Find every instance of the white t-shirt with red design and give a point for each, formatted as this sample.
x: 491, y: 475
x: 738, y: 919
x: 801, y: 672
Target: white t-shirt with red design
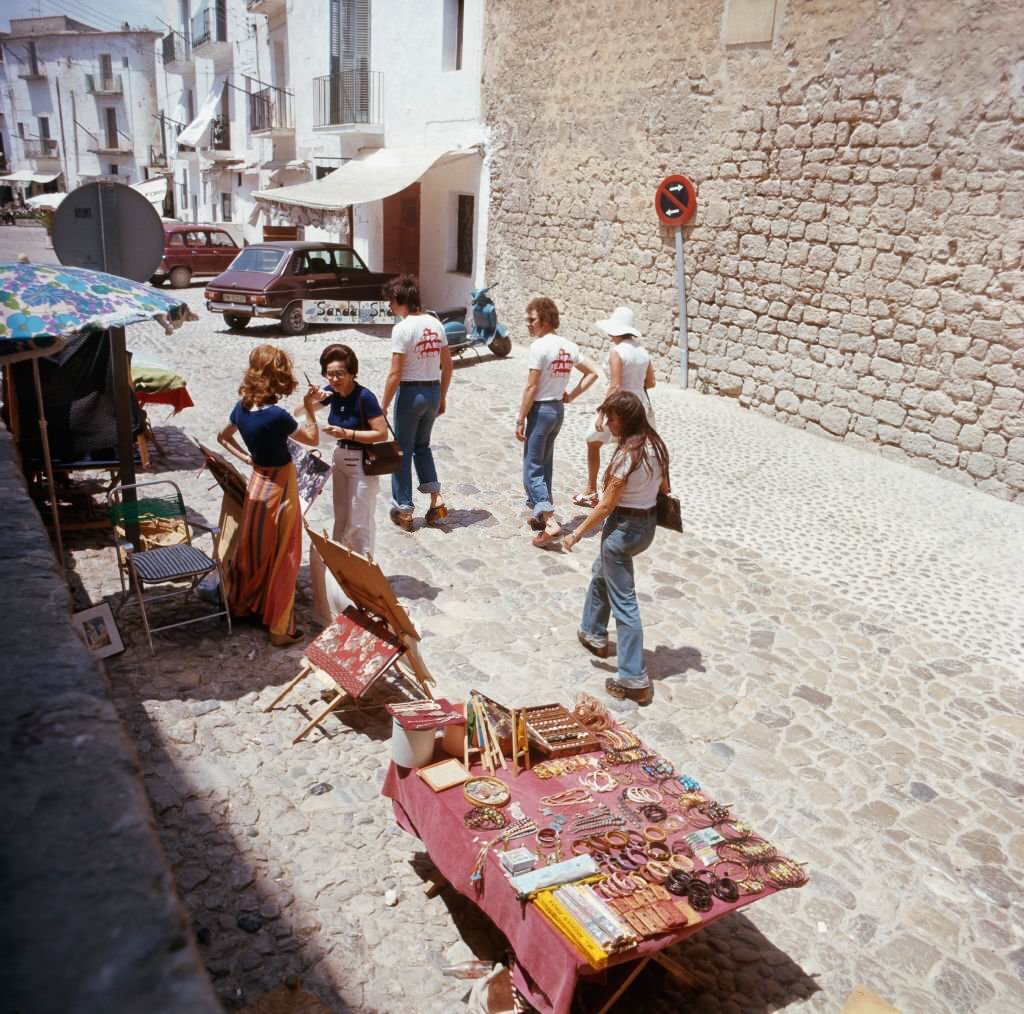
x: 420, y: 338
x: 555, y: 358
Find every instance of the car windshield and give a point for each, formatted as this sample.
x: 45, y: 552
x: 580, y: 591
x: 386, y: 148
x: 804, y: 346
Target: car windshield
x: 254, y: 259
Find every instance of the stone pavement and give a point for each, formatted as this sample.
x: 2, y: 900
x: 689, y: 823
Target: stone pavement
x: 836, y: 649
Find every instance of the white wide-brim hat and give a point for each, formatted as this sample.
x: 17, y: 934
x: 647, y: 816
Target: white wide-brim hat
x: 620, y: 322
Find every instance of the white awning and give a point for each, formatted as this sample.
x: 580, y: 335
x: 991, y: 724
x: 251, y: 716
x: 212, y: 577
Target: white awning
x: 27, y: 176
x: 49, y: 201
x: 382, y: 173
x: 194, y: 131
x: 153, y: 190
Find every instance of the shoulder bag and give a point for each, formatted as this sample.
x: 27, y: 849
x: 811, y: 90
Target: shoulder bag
x: 670, y: 512
x: 383, y: 458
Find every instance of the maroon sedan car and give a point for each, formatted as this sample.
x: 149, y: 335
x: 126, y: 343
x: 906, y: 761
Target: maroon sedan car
x: 193, y: 250
x: 273, y: 279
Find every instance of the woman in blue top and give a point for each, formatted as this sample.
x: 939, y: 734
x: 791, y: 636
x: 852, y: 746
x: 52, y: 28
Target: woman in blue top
x: 262, y: 574
x: 354, y: 419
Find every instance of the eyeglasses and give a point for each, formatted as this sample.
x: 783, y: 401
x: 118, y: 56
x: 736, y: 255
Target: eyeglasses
x: 337, y: 374
x: 532, y: 320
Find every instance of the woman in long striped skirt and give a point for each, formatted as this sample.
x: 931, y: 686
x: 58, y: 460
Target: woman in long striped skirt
x: 261, y: 578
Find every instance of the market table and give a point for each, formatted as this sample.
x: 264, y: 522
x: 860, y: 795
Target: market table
x: 547, y: 966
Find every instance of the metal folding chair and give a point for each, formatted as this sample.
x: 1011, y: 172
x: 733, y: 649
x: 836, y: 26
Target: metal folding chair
x: 164, y: 554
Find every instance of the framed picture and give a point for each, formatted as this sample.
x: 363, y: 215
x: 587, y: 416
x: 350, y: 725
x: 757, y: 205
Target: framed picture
x: 96, y: 627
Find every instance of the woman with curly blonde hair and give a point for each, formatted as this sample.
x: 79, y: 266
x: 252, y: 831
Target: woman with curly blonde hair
x: 261, y: 578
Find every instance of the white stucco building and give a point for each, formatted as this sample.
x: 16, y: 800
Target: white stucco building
x: 78, y: 104
x: 263, y: 100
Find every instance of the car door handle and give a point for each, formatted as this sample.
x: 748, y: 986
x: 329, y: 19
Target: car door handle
x: 344, y: 279
x: 311, y: 281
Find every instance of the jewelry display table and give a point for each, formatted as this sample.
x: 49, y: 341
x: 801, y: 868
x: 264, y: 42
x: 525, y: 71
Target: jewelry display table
x: 548, y: 967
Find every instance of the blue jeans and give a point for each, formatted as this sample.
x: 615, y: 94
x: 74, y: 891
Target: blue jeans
x: 543, y: 422
x: 612, y: 591
x: 415, y: 411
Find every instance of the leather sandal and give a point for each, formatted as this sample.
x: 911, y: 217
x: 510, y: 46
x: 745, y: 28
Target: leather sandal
x: 552, y: 530
x: 286, y: 640
x: 586, y: 500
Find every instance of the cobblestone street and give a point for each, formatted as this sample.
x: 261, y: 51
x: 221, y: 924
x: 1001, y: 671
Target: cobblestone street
x: 836, y: 648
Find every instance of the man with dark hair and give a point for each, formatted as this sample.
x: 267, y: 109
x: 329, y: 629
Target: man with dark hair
x: 421, y: 371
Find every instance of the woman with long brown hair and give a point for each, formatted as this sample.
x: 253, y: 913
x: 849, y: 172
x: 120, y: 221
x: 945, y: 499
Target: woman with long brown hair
x: 637, y: 472
x: 261, y: 578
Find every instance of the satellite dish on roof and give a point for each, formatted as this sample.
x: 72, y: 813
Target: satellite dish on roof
x: 109, y: 227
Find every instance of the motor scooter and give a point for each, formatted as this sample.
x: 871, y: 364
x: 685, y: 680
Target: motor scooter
x: 486, y: 329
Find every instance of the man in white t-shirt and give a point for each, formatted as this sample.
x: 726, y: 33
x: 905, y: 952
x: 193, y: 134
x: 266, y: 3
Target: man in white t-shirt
x: 420, y: 374
x: 551, y: 362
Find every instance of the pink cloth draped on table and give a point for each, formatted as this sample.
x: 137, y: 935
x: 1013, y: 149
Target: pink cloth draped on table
x: 547, y: 966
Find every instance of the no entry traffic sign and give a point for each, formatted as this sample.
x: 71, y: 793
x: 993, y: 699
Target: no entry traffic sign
x: 675, y: 200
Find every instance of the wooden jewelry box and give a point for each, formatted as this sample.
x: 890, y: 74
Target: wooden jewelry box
x: 556, y: 732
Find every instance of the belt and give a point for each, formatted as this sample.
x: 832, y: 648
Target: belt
x: 636, y: 512
x: 420, y: 383
x: 351, y: 445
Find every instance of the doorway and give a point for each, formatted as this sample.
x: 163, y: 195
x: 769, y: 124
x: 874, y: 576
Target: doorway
x: 401, y: 231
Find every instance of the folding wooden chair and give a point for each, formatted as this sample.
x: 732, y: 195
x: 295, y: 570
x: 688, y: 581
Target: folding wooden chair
x: 164, y: 554
x: 354, y: 651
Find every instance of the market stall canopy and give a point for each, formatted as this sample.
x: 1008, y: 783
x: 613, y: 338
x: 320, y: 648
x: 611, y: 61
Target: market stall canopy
x: 27, y: 176
x: 153, y: 190
x: 190, y: 136
x: 382, y: 173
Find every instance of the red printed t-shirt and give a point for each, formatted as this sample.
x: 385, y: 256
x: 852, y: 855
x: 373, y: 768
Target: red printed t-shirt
x: 554, y: 357
x: 420, y: 339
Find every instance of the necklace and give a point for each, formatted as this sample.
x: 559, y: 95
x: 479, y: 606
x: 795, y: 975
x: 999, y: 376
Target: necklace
x: 568, y: 797
x: 598, y: 781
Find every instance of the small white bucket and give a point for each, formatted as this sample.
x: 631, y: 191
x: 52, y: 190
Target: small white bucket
x: 411, y: 748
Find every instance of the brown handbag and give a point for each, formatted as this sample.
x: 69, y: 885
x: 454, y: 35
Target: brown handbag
x: 384, y: 458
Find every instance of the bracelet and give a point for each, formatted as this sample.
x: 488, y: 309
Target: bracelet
x: 654, y: 834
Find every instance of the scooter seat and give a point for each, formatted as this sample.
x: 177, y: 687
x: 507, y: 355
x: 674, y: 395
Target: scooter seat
x: 452, y: 313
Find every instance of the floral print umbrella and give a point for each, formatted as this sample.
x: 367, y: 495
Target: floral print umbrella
x: 42, y: 304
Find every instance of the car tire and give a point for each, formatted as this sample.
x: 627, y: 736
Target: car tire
x: 501, y: 345
x: 291, y: 319
x: 180, y: 277
x: 237, y: 321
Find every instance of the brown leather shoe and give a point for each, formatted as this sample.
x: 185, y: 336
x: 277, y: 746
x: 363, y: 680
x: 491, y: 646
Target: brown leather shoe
x: 593, y: 645
x: 642, y: 695
x: 402, y: 519
x: 435, y: 514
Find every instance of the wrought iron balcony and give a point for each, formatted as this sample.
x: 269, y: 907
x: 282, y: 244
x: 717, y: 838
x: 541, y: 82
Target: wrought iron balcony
x: 157, y: 158
x: 348, y: 98
x: 270, y: 111
x: 210, y: 32
x: 104, y: 85
x: 41, y: 148
x: 176, y: 52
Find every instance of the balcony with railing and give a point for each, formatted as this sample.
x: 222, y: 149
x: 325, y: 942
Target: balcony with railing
x: 33, y: 71
x: 112, y: 144
x: 41, y: 149
x: 270, y: 112
x: 157, y: 157
x: 97, y: 84
x: 264, y: 6
x: 177, y: 53
x: 350, y: 100
x: 210, y: 33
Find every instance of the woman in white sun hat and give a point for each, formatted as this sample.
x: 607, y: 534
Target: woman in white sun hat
x: 629, y: 369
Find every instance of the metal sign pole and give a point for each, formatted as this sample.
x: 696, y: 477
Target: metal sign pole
x: 684, y: 336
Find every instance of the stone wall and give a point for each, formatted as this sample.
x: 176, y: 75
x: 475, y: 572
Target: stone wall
x: 854, y: 267
x: 90, y: 920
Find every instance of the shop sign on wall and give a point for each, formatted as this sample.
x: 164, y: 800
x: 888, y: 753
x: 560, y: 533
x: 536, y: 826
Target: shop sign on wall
x: 347, y: 311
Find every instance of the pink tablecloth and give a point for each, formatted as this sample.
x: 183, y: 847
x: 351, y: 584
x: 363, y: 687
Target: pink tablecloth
x: 547, y: 965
